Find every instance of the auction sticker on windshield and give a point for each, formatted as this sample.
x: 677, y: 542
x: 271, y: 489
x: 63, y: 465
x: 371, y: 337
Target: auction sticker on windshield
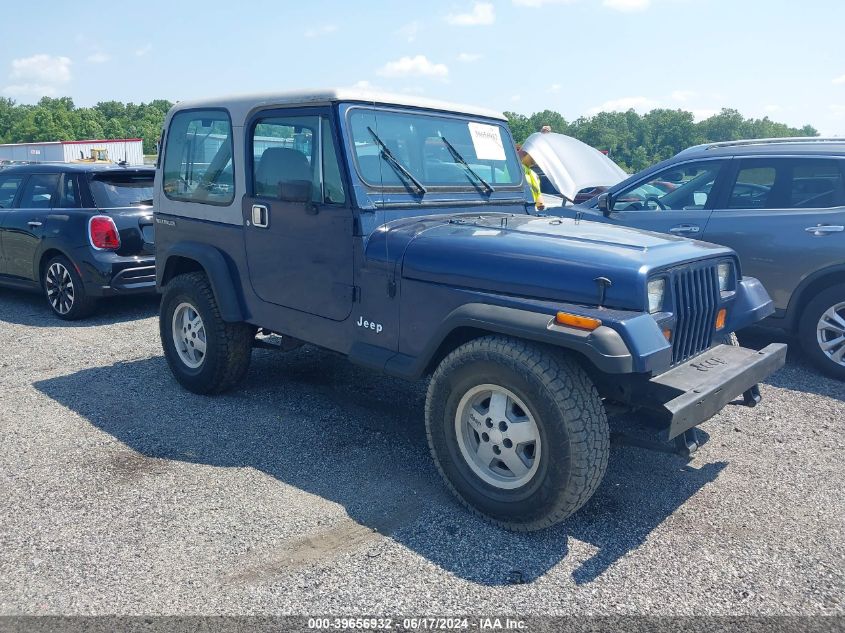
x: 487, y: 141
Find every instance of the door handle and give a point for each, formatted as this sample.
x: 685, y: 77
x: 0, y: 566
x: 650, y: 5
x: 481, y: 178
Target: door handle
x: 34, y: 223
x: 824, y: 229
x: 260, y: 216
x: 685, y: 228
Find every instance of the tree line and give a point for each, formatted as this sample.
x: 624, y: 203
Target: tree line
x: 637, y: 141
x: 633, y: 140
x: 58, y: 119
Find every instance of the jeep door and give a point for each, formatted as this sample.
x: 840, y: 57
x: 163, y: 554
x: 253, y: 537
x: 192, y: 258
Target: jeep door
x: 10, y: 185
x: 298, y: 224
x: 23, y: 226
x: 675, y: 200
x: 785, y: 217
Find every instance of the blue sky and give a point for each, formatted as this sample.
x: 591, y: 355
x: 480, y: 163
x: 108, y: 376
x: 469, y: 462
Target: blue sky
x: 779, y: 58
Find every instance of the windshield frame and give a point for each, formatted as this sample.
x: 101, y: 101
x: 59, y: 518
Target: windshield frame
x: 470, y: 187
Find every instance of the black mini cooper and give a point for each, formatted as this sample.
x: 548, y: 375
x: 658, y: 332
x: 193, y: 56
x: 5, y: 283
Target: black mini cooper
x: 77, y: 233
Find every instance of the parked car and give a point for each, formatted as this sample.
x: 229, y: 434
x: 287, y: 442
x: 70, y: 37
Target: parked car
x: 362, y: 239
x: 77, y: 233
x: 569, y: 170
x: 780, y: 203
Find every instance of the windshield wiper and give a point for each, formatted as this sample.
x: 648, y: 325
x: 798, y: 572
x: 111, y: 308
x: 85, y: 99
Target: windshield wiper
x: 460, y: 159
x: 394, y: 162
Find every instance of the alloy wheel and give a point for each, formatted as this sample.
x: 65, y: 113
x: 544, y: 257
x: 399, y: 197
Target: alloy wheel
x: 830, y: 333
x: 498, y: 436
x: 59, y: 286
x: 189, y: 335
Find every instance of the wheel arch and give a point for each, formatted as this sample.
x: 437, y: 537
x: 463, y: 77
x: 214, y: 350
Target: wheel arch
x: 809, y: 288
x: 48, y: 254
x: 185, y: 257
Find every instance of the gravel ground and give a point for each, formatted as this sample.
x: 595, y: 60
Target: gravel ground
x: 309, y: 490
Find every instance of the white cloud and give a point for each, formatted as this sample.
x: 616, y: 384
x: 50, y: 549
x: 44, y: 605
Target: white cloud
x: 38, y: 76
x: 43, y: 69
x: 837, y: 111
x: 98, y: 58
x: 325, y: 29
x: 417, y: 65
x: 482, y: 14
x: 144, y: 50
x: 555, y: 88
x: 362, y: 85
x: 628, y: 6
x: 540, y: 3
x: 704, y: 113
x: 516, y: 98
x: 683, y: 95
x: 640, y: 104
x: 468, y: 58
x: 772, y: 108
x: 409, y: 31
x: 839, y: 80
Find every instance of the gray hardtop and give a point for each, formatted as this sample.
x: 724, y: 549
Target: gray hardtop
x: 239, y: 106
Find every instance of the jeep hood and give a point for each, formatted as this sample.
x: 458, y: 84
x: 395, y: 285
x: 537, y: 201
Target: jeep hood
x: 537, y: 257
x: 571, y: 165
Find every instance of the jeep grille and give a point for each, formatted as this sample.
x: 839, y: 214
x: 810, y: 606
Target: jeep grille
x: 696, y: 297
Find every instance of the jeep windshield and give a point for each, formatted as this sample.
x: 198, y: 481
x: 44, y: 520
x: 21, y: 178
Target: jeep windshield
x: 113, y: 190
x: 439, y: 151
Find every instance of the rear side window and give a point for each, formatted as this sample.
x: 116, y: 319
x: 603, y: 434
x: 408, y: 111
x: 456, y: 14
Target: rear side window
x: 121, y: 189
x: 9, y: 186
x: 38, y: 191
x: 198, y: 158
x: 788, y: 183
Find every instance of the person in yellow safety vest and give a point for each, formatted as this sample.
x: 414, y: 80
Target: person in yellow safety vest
x: 531, y: 178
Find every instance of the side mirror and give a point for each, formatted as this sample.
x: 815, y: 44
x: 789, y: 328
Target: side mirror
x: 605, y: 203
x: 295, y: 191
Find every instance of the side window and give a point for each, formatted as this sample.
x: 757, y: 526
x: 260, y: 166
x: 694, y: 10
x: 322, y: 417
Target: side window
x: 294, y: 159
x: 787, y: 183
x: 198, y: 158
x: 686, y: 186
x: 69, y: 193
x: 38, y: 191
x: 752, y: 188
x: 9, y: 186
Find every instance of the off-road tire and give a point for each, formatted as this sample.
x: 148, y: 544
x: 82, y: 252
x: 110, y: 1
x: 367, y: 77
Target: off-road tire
x: 228, y: 345
x: 569, y: 415
x: 807, y: 329
x: 83, y: 304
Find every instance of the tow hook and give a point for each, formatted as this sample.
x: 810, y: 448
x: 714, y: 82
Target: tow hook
x: 751, y: 397
x: 684, y: 444
x: 688, y: 442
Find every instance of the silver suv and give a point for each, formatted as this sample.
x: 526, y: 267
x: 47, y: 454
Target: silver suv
x: 779, y: 203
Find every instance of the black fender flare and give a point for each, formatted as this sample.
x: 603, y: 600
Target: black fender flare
x: 216, y: 269
x: 603, y: 347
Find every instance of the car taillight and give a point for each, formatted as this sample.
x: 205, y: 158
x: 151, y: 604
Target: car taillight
x: 103, y: 233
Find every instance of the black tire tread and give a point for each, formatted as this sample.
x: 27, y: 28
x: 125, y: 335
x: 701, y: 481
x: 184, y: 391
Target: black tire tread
x: 579, y: 400
x: 234, y: 339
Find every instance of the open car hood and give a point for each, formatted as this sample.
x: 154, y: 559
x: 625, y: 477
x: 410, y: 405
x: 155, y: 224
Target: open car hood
x: 571, y: 165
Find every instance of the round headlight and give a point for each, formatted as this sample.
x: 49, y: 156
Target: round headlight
x: 726, y: 273
x: 656, y: 291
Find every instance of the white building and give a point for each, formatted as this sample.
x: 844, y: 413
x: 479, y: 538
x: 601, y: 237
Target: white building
x: 118, y: 149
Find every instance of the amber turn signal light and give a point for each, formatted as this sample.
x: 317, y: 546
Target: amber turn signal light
x: 721, y: 315
x: 573, y: 320
x: 667, y: 333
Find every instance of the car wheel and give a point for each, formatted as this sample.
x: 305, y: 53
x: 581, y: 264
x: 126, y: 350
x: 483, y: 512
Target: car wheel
x: 206, y: 354
x: 517, y: 431
x: 822, y: 331
x: 65, y: 291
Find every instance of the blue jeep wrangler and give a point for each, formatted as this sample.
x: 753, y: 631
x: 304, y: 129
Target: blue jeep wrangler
x: 396, y: 231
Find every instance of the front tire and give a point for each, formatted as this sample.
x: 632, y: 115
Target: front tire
x: 206, y: 354
x: 517, y: 431
x: 64, y: 290
x: 822, y: 331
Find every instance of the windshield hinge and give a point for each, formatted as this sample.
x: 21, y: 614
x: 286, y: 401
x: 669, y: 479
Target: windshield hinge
x: 391, y: 287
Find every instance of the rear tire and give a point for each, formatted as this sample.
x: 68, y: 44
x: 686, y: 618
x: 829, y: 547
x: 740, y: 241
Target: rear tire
x: 64, y: 290
x: 531, y: 460
x: 206, y: 354
x: 822, y: 331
